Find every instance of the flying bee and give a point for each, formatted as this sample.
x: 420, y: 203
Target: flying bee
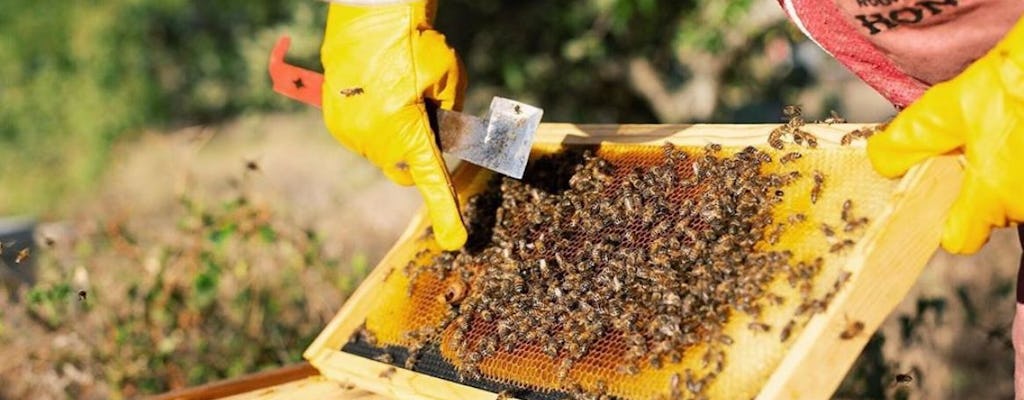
x: 790, y: 157
x: 853, y: 328
x: 252, y: 166
x: 792, y: 111
x: 834, y: 118
x: 22, y: 256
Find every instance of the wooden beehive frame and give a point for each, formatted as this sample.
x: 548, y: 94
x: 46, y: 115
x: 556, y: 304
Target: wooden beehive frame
x: 883, y: 270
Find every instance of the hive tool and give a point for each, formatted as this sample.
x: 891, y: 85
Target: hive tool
x: 500, y: 141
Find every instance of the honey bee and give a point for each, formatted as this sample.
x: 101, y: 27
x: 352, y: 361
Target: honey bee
x: 518, y: 110
x: 252, y: 166
x: 786, y: 331
x: 839, y: 246
x: 387, y: 373
x: 22, y: 256
x: 674, y: 389
x: 819, y: 183
x: 455, y: 291
x: 349, y: 92
x: 384, y: 358
x: 841, y: 280
x: 563, y: 369
x: 834, y: 118
x: 366, y: 336
x: 864, y: 133
x: 792, y: 111
x: 797, y: 218
x: 790, y: 157
x: 812, y: 141
x: 759, y: 327
x: 852, y: 329
x: 775, y: 138
x: 846, y: 139
x: 713, y: 147
x: 827, y: 230
x: 414, y: 355
x: 695, y: 386
x: 82, y: 295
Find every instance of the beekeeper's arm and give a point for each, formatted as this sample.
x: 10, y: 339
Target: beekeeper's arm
x: 382, y: 60
x: 981, y: 114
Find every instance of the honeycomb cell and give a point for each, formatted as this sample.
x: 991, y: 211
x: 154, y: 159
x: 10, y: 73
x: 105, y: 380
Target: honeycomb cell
x: 665, y: 254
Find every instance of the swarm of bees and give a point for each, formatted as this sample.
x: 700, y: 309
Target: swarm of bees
x: 794, y: 121
x: 655, y: 257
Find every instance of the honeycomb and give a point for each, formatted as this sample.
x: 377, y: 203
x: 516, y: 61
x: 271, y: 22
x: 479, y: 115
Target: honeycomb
x: 414, y: 303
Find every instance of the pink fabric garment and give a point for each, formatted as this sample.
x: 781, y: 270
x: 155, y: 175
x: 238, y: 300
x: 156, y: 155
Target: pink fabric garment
x: 902, y: 47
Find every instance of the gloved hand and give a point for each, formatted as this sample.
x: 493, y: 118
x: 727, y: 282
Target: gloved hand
x: 380, y: 63
x: 979, y: 113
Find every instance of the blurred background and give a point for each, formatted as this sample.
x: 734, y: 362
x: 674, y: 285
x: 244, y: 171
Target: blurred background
x: 190, y: 225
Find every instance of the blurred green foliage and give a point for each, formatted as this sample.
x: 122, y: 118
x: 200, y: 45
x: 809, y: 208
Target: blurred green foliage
x: 78, y: 76
x: 573, y: 57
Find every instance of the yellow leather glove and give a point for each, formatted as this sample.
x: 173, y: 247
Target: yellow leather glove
x: 981, y: 114
x: 380, y: 63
